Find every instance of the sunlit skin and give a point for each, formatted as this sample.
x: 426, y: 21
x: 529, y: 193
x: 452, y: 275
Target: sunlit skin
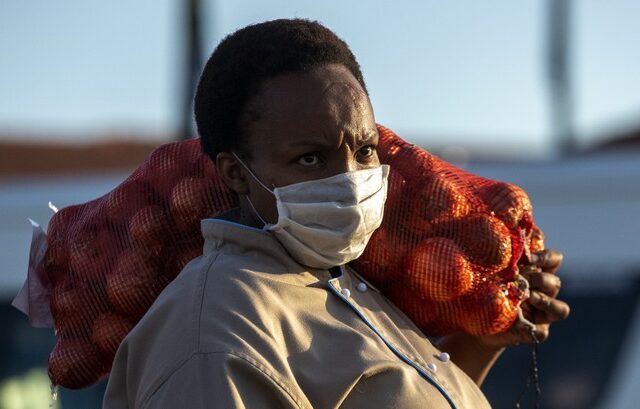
x: 310, y: 126
x: 314, y: 125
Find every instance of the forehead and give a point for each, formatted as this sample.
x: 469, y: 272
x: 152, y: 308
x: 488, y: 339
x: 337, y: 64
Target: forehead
x: 326, y: 105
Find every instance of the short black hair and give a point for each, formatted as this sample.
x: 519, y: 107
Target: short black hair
x: 245, y: 60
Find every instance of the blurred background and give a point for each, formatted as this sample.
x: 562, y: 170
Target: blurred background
x: 544, y: 94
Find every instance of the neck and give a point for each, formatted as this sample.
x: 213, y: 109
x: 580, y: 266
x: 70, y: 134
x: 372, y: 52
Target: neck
x: 241, y: 215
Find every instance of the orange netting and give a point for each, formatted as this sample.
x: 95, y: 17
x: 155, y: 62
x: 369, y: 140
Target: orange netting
x: 446, y: 253
x: 448, y: 250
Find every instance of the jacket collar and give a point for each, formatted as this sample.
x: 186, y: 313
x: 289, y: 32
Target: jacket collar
x: 235, y: 238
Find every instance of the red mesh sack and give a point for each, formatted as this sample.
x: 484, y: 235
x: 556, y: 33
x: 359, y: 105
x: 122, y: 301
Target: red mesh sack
x: 107, y: 260
x: 446, y: 253
x: 448, y: 250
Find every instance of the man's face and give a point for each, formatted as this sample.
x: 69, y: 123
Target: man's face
x: 311, y: 126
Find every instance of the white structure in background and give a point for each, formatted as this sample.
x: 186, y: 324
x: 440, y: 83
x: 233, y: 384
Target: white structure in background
x: 588, y: 206
x: 29, y: 198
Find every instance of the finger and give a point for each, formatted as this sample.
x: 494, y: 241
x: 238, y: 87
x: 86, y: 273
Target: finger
x: 555, y: 310
x: 544, y: 282
x: 534, y: 315
x: 538, y: 317
x: 549, y: 260
x: 541, y: 332
x: 522, y: 333
x: 527, y: 268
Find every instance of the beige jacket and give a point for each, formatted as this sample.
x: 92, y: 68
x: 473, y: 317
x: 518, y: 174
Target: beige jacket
x: 245, y: 326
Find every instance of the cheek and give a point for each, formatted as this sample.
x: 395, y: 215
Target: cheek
x: 376, y: 159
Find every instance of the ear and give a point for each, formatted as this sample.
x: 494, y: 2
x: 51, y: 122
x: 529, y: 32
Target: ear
x: 232, y: 173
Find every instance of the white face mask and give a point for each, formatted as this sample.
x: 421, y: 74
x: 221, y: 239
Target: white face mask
x: 327, y: 222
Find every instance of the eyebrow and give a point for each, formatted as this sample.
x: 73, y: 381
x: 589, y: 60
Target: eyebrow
x: 370, y: 136
x: 323, y: 145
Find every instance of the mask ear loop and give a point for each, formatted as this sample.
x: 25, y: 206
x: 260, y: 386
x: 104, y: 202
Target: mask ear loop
x: 253, y: 208
x: 251, y: 173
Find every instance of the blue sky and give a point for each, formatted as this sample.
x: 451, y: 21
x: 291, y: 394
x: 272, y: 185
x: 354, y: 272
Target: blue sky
x: 439, y: 72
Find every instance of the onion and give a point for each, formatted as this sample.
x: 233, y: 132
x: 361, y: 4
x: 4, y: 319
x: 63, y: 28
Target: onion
x: 134, y: 285
x: 108, y: 332
x: 75, y: 364
x: 485, y: 240
x: 438, y: 270
x: 190, y: 202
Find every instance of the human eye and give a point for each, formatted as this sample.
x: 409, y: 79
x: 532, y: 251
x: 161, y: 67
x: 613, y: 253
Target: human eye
x: 309, y: 159
x: 366, y: 152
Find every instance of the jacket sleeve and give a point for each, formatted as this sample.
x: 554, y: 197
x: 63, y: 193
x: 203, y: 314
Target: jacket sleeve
x: 224, y: 380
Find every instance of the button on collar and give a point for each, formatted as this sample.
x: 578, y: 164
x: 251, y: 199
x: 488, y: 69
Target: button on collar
x: 346, y: 292
x: 444, y: 357
x: 362, y: 287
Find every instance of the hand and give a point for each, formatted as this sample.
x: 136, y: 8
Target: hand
x: 476, y: 355
x: 541, y: 308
